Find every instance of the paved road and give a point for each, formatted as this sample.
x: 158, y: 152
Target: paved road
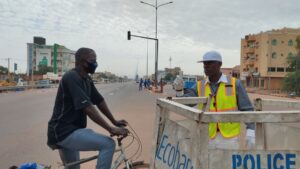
x: 24, y: 117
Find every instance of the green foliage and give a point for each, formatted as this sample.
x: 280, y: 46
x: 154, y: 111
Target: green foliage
x: 43, y: 69
x: 292, y: 81
x: 169, y: 77
x: 3, y: 70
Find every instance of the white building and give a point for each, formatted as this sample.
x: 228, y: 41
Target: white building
x: 60, y: 58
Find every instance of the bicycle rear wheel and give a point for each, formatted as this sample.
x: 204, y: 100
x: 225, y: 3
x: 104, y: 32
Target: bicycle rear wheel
x: 139, y: 165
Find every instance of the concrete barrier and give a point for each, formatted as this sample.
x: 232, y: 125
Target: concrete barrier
x: 21, y: 88
x: 287, y: 134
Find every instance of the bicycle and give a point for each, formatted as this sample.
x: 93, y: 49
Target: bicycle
x: 122, y: 157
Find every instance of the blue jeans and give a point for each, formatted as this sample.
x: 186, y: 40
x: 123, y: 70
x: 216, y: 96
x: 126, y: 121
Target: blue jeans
x: 87, y: 140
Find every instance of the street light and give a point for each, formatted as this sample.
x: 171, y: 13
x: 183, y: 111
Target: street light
x: 156, y: 7
x: 156, y: 54
x: 129, y: 35
x: 147, y: 52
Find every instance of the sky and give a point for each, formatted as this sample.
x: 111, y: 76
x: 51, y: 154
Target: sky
x: 186, y: 30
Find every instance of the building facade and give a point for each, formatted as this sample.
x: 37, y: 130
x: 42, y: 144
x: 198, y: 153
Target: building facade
x: 234, y: 72
x: 58, y: 57
x: 264, y: 57
x: 174, y: 71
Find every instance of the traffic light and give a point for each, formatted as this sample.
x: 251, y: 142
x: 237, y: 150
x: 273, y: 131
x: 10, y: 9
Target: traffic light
x: 128, y: 35
x: 15, y: 66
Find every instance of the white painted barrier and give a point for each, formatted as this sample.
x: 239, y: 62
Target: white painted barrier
x: 287, y: 134
x: 181, y: 138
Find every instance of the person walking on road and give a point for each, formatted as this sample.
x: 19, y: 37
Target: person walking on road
x: 227, y: 94
x: 141, y: 84
x: 145, y: 84
x: 75, y: 100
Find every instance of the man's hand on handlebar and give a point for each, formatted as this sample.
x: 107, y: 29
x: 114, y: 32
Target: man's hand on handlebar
x: 120, y: 123
x: 117, y: 131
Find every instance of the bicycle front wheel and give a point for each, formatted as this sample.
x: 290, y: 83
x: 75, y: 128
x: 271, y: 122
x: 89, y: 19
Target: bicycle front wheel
x: 138, y: 165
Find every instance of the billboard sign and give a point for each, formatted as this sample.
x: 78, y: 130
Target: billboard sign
x: 43, y: 57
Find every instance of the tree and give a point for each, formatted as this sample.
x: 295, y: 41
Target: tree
x: 292, y: 81
x: 43, y: 69
x: 169, y: 77
x: 3, y: 70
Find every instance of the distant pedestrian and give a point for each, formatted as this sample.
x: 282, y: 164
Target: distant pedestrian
x: 149, y: 83
x: 141, y: 84
x: 145, y: 84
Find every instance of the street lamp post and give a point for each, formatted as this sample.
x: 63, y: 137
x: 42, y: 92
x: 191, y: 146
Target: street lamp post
x: 156, y: 7
x: 156, y: 54
x: 147, y: 52
x: 129, y: 35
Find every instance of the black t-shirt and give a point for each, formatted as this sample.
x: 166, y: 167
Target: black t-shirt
x: 74, y: 93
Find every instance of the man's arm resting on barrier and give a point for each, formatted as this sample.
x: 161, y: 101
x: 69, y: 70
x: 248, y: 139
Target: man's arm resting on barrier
x: 244, y: 104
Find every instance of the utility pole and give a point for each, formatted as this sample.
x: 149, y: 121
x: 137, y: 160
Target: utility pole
x: 8, y: 63
x: 147, y: 53
x: 156, y: 6
x: 8, y: 67
x: 129, y: 35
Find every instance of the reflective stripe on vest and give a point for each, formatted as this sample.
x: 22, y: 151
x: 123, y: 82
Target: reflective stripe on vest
x: 225, y: 100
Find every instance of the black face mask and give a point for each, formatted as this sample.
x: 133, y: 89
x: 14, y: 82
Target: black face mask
x: 92, y: 66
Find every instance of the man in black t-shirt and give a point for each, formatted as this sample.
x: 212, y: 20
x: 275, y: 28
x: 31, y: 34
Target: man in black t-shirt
x: 75, y: 100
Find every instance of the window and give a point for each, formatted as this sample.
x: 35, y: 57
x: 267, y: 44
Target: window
x: 274, y: 55
x: 274, y: 42
x: 290, y: 43
x: 280, y: 69
x: 271, y: 69
x: 282, y: 54
x: 290, y: 55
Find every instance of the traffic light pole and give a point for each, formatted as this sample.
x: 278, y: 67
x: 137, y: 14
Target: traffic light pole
x: 156, y: 53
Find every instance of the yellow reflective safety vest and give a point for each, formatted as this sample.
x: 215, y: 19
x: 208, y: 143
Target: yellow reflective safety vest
x: 224, y: 100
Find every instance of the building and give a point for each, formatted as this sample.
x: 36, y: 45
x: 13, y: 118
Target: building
x: 161, y: 75
x: 58, y: 57
x: 174, y: 71
x: 234, y: 72
x: 264, y: 57
x: 227, y: 71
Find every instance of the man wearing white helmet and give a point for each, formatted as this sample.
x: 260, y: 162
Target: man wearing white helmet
x: 227, y: 94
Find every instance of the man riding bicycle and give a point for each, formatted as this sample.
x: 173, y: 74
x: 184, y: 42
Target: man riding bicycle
x: 75, y: 100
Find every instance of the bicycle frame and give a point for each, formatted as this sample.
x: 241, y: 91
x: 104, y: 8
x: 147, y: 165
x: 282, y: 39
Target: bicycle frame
x: 121, y: 157
x: 116, y: 163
